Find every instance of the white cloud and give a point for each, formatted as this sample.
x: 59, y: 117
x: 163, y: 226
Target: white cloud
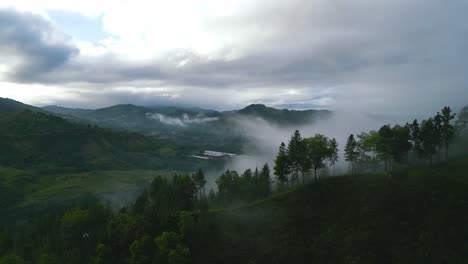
x: 388, y: 56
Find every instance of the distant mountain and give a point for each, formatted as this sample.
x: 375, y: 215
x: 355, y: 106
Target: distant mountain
x: 170, y: 119
x: 65, y: 111
x: 10, y: 105
x: 281, y: 116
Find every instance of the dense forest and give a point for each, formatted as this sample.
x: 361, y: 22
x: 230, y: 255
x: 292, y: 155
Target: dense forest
x: 402, y: 200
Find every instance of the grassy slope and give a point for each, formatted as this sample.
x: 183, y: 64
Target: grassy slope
x: 417, y: 216
x: 39, y: 189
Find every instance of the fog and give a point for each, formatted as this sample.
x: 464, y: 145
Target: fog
x: 264, y: 138
x: 183, y: 121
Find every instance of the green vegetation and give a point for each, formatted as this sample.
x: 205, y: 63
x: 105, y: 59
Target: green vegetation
x: 412, y: 215
x: 37, y: 140
x: 73, y: 193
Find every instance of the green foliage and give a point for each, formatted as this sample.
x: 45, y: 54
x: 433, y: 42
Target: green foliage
x: 334, y: 157
x: 38, y: 140
x: 12, y: 259
x: 234, y: 188
x: 351, y: 151
x: 50, y: 259
x: 296, y: 152
x: 447, y: 129
x: 282, y: 166
x: 142, y: 251
x: 199, y: 181
x: 318, y: 149
x: 170, y: 249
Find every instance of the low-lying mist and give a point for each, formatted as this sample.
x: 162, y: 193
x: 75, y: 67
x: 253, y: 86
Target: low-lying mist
x: 264, y: 138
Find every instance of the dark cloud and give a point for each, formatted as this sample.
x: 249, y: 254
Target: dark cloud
x: 32, y: 45
x: 391, y: 56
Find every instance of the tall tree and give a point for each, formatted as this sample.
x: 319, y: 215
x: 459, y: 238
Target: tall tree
x: 318, y: 150
x: 401, y: 144
x: 351, y: 152
x: 296, y: 154
x: 462, y: 121
x: 448, y: 130
x: 415, y: 136
x: 282, y: 167
x: 384, y: 145
x: 333, y: 158
x: 428, y: 139
x: 199, y: 181
x: 264, y: 181
x: 438, y: 133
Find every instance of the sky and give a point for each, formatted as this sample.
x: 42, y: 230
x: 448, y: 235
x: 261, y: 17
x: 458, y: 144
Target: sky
x: 388, y: 57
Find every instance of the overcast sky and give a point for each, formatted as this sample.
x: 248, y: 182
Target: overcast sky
x: 401, y: 57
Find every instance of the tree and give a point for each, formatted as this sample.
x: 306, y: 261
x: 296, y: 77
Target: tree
x: 385, y: 145
x: 351, y: 153
x: 438, y: 133
x: 199, y: 181
x: 12, y: 259
x: 264, y: 181
x: 170, y: 248
x: 317, y: 151
x: 415, y: 136
x: 367, y: 145
x: 333, y: 158
x: 462, y: 121
x: 401, y: 144
x: 282, y: 167
x: 296, y: 154
x: 448, y: 130
x: 142, y: 251
x: 428, y: 139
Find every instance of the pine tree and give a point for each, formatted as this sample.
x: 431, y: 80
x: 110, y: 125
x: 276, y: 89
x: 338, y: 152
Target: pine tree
x: 296, y: 154
x: 265, y: 181
x: 333, y: 146
x: 428, y: 138
x: 199, y: 181
x: 448, y: 130
x: 438, y: 133
x: 282, y: 167
x: 351, y: 152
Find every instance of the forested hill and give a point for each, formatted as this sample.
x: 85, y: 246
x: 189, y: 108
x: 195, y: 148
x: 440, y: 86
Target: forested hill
x: 161, y: 119
x: 415, y: 215
x: 10, y: 105
x: 280, y: 116
x: 34, y: 139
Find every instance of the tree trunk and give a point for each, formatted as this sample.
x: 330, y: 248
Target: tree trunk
x: 438, y: 153
x: 297, y: 176
x: 334, y: 171
x: 446, y: 151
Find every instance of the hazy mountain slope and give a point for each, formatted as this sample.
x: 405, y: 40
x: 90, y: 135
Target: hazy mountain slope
x: 10, y: 105
x: 30, y: 139
x: 280, y: 116
x: 66, y: 111
x: 157, y: 120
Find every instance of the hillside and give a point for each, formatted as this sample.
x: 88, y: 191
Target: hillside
x: 281, y: 116
x: 160, y: 120
x: 37, y: 140
x: 413, y: 216
x: 10, y: 105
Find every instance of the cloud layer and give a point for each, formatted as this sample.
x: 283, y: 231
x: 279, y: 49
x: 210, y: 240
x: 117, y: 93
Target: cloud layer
x: 387, y: 57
